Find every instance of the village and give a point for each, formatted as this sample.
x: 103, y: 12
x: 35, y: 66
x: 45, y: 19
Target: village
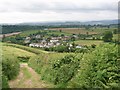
x: 47, y: 42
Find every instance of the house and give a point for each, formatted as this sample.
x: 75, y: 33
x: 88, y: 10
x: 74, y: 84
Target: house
x: 27, y: 40
x: 53, y: 41
x: 57, y: 44
x: 37, y: 36
x: 46, y: 29
x: 70, y: 45
x: 43, y: 41
x: 66, y: 38
x: 78, y: 46
x: 32, y: 45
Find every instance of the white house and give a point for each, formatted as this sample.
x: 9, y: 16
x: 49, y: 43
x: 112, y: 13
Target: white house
x: 78, y: 47
x: 53, y: 41
x: 32, y: 45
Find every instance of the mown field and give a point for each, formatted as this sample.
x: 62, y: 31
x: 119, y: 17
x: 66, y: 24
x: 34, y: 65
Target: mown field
x: 74, y: 30
x: 116, y: 36
x: 88, y: 42
x: 27, y: 33
x: 29, y: 49
x: 91, y: 31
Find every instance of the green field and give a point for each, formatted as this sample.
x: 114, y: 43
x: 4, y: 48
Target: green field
x: 16, y: 51
x: 29, y: 49
x: 97, y: 30
x: 74, y: 30
x: 116, y: 36
x: 89, y: 42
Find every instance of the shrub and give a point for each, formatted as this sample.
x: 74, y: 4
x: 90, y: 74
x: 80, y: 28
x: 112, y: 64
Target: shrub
x: 10, y: 66
x: 62, y: 70
x: 107, y: 36
x: 99, y: 69
x: 4, y: 82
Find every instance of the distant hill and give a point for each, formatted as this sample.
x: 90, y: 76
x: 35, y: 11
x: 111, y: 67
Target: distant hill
x: 10, y: 28
x: 102, y: 22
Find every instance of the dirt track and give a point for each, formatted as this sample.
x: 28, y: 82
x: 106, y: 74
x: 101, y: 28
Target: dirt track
x: 28, y: 78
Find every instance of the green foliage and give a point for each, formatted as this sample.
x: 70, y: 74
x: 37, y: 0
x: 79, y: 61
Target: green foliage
x: 65, y: 68
x: 56, y: 67
x: 115, y: 31
x: 19, y: 28
x: 23, y: 59
x: 99, y: 69
x: 4, y: 82
x: 107, y: 36
x: 61, y: 48
x: 10, y: 66
x: 42, y: 61
x: 81, y: 50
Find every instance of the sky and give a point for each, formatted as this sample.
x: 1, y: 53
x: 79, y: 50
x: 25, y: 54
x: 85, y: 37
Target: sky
x: 18, y: 11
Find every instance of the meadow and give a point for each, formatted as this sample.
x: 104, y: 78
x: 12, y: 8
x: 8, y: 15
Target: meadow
x: 88, y: 42
x: 74, y: 30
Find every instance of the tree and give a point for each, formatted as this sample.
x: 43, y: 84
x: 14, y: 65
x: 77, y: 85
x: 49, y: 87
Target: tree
x: 61, y: 48
x: 60, y: 30
x: 93, y: 38
x: 115, y: 31
x: 107, y: 36
x: 87, y: 33
x: 62, y: 35
x: 72, y: 38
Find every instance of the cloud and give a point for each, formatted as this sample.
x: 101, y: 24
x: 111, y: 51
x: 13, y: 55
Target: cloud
x: 55, y: 6
x: 13, y: 11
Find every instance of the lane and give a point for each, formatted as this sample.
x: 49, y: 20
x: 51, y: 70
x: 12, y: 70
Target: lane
x: 28, y: 78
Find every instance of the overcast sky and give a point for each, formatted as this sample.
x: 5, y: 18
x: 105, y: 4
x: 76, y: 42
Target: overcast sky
x: 17, y: 11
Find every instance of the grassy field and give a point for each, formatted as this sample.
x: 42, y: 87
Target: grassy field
x: 29, y: 49
x: 89, y: 42
x: 90, y: 31
x: 101, y: 30
x: 115, y: 36
x: 16, y: 51
x: 26, y: 33
x: 74, y: 30
x: 27, y: 77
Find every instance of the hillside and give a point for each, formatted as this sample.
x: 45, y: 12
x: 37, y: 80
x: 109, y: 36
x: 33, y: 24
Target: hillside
x: 62, y: 70
x: 26, y: 74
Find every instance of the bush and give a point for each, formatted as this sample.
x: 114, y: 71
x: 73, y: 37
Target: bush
x: 10, y: 66
x: 99, y: 69
x: 62, y: 70
x: 4, y: 82
x: 23, y: 58
x: 107, y: 36
x: 56, y: 67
